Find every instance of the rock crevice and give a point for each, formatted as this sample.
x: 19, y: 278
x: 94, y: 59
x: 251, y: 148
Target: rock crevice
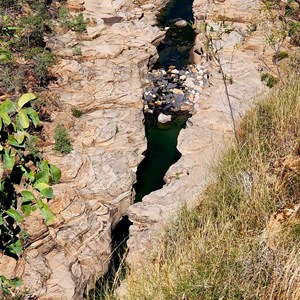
x: 211, y: 126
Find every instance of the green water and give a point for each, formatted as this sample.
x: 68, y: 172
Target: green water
x: 162, y: 138
x: 175, y: 49
x: 161, y: 153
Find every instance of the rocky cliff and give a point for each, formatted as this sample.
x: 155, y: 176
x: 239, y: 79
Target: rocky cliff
x: 106, y: 83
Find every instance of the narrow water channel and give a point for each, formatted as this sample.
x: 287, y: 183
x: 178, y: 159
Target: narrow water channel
x: 175, y: 49
x: 161, y: 150
x: 160, y: 155
x: 162, y: 138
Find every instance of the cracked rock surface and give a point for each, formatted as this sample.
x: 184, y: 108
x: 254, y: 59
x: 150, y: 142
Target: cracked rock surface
x: 106, y: 83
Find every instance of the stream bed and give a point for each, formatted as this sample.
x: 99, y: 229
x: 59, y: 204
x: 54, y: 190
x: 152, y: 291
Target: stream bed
x: 161, y: 153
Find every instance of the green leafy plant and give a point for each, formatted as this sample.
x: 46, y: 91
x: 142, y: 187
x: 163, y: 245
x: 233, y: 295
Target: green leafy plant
x: 63, y: 16
x: 77, y: 113
x: 78, y: 23
x: 268, y: 79
x: 23, y: 168
x: 5, y: 54
x: 7, y: 29
x: 62, y: 140
x: 7, y: 284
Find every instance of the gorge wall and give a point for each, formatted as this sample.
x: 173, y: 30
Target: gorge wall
x: 106, y: 83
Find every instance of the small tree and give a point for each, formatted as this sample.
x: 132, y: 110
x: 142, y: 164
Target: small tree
x: 23, y: 168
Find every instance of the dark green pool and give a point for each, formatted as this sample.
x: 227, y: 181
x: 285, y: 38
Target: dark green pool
x: 175, y: 49
x: 160, y: 155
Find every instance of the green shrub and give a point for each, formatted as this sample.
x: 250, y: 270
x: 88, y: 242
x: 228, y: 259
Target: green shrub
x: 268, y: 79
x: 63, y: 16
x: 76, y: 51
x: 42, y: 59
x: 21, y: 166
x: 62, y: 140
x: 78, y: 23
x: 77, y: 113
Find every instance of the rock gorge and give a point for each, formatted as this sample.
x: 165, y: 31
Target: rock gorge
x: 210, y: 127
x: 106, y: 83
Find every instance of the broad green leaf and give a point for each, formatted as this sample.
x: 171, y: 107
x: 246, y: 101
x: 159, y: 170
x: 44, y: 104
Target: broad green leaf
x: 33, y: 116
x: 23, y: 118
x: 5, y: 117
x: 12, y: 141
x: 14, y: 214
x: 46, y: 212
x: 7, y: 106
x: 27, y: 134
x: 1, y: 220
x: 1, y: 147
x: 30, y: 175
x: 27, y: 208
x: 27, y: 196
x: 17, y: 282
x: 42, y: 176
x: 8, y: 159
x: 40, y: 186
x: 25, y: 99
x: 47, y: 193
x: 16, y: 247
x: 19, y: 136
x: 55, y: 173
x: 44, y: 165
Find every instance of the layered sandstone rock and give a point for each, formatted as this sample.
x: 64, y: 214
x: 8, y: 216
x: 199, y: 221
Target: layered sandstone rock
x: 106, y: 83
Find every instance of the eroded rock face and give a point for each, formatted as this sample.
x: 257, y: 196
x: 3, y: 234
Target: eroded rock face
x: 211, y: 125
x: 106, y: 83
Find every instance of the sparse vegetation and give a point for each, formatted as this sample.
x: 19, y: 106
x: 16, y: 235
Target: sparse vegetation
x: 76, y: 51
x: 77, y: 113
x: 62, y: 140
x: 268, y: 79
x: 76, y: 23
